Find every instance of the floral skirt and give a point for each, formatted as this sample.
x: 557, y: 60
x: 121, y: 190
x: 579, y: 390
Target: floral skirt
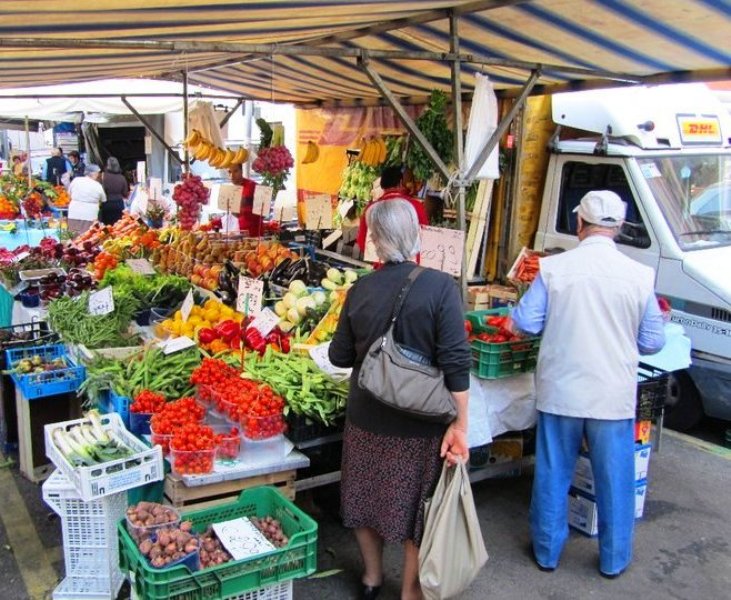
x: 386, y: 480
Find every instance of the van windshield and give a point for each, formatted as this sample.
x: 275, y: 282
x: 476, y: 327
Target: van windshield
x: 694, y: 193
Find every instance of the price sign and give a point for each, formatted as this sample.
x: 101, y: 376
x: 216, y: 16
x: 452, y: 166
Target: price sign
x: 442, y: 249
x: 332, y: 238
x: 249, y: 297
x: 321, y: 358
x: 318, y: 211
x: 369, y: 252
x: 187, y: 306
x: 265, y: 322
x: 229, y: 197
x: 262, y: 200
x: 177, y: 344
x: 241, y: 539
x: 345, y: 207
x: 141, y: 266
x: 21, y: 256
x: 101, y: 302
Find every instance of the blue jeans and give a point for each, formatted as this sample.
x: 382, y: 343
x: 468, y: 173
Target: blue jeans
x: 611, y: 450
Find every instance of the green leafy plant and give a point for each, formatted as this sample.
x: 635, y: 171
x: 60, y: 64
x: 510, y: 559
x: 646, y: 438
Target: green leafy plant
x: 433, y: 124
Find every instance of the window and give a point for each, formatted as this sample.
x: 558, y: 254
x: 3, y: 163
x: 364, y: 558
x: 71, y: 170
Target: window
x: 579, y: 178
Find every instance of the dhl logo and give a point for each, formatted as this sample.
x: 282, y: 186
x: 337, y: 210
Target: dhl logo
x: 699, y: 129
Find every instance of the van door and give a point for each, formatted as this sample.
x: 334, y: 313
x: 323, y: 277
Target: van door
x: 570, y: 178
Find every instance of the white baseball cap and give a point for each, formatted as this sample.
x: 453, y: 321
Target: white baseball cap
x: 603, y: 208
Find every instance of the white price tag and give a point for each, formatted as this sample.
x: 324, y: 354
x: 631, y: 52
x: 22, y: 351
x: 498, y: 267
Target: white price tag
x: 265, y: 322
x: 332, y: 238
x: 101, y: 302
x: 21, y: 256
x: 442, y: 249
x: 187, y: 306
x: 141, y: 266
x: 262, y: 200
x: 345, y: 207
x: 249, y: 297
x: 229, y: 197
x: 177, y: 344
x: 319, y: 355
x: 318, y: 211
x: 369, y: 252
x: 241, y: 539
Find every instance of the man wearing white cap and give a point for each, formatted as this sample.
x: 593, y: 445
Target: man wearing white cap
x: 598, y: 314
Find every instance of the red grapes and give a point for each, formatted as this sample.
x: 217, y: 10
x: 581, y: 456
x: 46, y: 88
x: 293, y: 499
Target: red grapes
x: 189, y: 195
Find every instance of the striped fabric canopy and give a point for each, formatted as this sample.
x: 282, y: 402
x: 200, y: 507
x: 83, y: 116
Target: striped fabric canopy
x: 578, y: 42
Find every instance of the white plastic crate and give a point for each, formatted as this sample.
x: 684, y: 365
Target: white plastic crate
x: 90, y: 546
x: 111, y: 477
x: 278, y: 591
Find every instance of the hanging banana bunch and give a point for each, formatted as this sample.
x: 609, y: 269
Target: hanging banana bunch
x: 219, y: 158
x: 312, y: 153
x: 372, y: 151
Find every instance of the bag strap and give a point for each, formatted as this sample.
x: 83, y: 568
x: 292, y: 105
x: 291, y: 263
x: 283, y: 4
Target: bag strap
x: 398, y: 305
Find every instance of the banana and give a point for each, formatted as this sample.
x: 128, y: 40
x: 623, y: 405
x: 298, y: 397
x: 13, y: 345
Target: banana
x: 312, y: 154
x: 366, y: 153
x: 217, y: 157
x: 242, y: 154
x: 194, y: 138
x: 228, y: 159
x: 372, y: 152
x: 204, y: 150
x: 382, y: 151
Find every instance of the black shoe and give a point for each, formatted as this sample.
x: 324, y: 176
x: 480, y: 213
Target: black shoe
x: 612, y: 575
x: 532, y: 554
x: 370, y: 592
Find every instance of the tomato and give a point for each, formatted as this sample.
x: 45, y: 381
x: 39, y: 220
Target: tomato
x: 468, y: 326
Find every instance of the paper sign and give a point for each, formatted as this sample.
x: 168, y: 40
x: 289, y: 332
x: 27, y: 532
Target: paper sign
x: 155, y: 188
x: 262, y: 200
x: 265, y: 322
x: 187, y: 306
x: 369, y: 252
x: 319, y: 355
x: 241, y: 539
x: 229, y: 197
x: 332, y: 238
x: 442, y: 249
x: 318, y: 211
x: 141, y: 266
x: 141, y: 171
x: 177, y: 344
x: 101, y: 302
x: 249, y: 297
x: 345, y: 207
x: 21, y: 256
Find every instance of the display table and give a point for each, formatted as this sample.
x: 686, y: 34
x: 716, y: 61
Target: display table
x: 23, y: 236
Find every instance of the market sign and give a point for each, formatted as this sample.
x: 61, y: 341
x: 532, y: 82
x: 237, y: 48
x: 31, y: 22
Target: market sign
x: 249, y: 298
x: 442, y: 249
x: 704, y: 129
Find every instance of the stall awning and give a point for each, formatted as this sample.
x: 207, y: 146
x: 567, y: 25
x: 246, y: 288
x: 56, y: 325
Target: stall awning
x: 579, y: 42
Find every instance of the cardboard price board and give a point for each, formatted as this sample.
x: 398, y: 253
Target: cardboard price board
x: 265, y: 322
x: 250, y: 294
x: 262, y: 200
x: 101, y: 302
x: 442, y: 249
x: 318, y: 211
x: 229, y: 197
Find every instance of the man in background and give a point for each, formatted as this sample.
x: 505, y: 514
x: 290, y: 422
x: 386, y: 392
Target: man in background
x: 248, y: 221
x: 77, y: 165
x: 598, y: 312
x: 55, y: 167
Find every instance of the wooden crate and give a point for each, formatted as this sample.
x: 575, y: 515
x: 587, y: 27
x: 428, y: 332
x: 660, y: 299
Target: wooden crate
x: 478, y: 297
x: 181, y: 496
x: 33, y: 415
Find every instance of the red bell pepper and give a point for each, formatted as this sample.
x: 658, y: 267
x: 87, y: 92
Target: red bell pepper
x: 228, y: 330
x: 207, y: 335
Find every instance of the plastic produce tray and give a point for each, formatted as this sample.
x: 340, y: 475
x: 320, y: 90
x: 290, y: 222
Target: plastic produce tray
x: 113, y: 403
x: 236, y: 579
x: 494, y: 360
x: 652, y: 391
x: 145, y: 466
x: 47, y: 383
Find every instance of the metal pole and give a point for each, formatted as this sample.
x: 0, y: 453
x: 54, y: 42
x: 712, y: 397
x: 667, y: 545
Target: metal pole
x: 186, y: 155
x: 27, y: 149
x: 153, y: 131
x: 502, y: 126
x: 230, y: 113
x: 459, y: 144
x: 405, y: 118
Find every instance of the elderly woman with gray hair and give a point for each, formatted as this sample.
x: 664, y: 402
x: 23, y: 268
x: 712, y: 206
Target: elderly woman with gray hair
x: 392, y: 461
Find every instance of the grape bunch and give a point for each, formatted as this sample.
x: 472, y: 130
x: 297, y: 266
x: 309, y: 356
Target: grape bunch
x: 273, y: 163
x: 189, y: 195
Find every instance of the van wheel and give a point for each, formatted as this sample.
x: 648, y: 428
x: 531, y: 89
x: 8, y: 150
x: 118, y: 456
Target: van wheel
x: 683, y: 407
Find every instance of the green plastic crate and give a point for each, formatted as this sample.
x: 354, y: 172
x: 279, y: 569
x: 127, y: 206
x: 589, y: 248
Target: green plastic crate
x: 494, y: 360
x: 298, y: 559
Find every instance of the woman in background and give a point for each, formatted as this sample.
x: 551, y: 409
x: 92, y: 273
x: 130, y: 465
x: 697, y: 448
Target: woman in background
x: 116, y: 189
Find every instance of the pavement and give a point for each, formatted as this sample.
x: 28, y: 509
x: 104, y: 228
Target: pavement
x: 682, y: 545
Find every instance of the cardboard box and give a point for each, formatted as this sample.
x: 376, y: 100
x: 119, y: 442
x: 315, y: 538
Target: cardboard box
x: 583, y: 515
x: 584, y: 477
x: 501, y: 296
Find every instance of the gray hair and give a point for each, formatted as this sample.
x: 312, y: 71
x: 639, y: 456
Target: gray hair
x: 395, y: 229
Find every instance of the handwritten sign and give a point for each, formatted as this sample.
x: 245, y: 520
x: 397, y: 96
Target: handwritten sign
x: 141, y: 266
x: 229, y: 197
x: 241, y: 539
x: 318, y: 211
x: 187, y: 306
x: 442, y: 249
x: 265, y: 322
x: 177, y: 344
x: 248, y: 300
x: 369, y: 252
x: 101, y: 302
x: 262, y: 200
x: 332, y: 238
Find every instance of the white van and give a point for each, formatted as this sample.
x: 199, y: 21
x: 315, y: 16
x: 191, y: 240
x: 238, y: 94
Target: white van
x: 666, y: 151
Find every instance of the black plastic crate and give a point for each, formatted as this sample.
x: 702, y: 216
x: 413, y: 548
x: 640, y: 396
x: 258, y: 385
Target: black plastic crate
x: 652, y: 391
x: 303, y: 429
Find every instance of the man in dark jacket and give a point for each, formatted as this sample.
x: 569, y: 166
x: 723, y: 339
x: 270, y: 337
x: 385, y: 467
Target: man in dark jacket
x: 77, y: 165
x: 55, y: 167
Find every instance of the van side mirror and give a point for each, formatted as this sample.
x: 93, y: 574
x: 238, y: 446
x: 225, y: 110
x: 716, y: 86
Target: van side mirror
x: 633, y: 234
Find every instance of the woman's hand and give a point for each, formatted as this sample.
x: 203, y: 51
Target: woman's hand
x: 454, y: 445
